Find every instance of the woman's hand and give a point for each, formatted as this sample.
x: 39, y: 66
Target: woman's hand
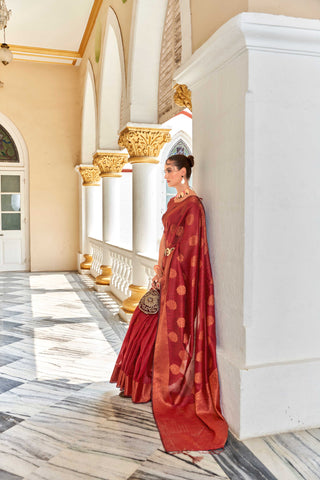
x: 156, y: 281
x: 158, y: 275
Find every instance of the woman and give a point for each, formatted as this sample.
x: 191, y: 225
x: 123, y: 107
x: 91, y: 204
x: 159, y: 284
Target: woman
x: 170, y: 356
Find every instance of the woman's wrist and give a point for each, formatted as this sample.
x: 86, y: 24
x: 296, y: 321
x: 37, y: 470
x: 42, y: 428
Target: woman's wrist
x: 157, y: 269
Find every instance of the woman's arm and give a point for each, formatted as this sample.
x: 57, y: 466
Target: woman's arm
x: 161, y: 250
x: 158, y: 268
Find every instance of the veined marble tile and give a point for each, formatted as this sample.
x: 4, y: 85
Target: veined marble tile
x: 8, y: 421
x: 5, y: 359
x: 240, y: 463
x: 162, y: 465
x: 53, y: 472
x: 30, y: 398
x: 7, y: 384
x: 15, y: 458
x: 9, y: 476
x: 104, y: 466
x: 290, y: 455
x: 7, y: 339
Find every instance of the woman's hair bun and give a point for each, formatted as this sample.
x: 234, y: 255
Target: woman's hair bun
x: 191, y: 160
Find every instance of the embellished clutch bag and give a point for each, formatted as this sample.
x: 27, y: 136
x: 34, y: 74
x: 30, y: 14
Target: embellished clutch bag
x: 150, y: 302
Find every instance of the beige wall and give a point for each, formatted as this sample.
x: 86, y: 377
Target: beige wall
x: 291, y: 8
x: 43, y: 102
x: 208, y: 15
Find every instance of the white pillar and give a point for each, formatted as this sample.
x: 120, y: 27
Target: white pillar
x: 91, y: 211
x: 145, y: 206
x: 143, y: 143
x: 111, y: 219
x: 110, y: 164
x: 255, y: 95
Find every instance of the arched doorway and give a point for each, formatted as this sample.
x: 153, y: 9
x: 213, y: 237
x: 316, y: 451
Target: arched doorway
x: 14, y: 211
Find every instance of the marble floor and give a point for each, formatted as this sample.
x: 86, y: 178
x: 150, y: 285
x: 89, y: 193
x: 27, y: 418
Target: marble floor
x: 60, y: 419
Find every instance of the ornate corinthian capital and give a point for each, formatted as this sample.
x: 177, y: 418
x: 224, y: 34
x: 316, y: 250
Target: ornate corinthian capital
x: 90, y: 175
x: 143, y: 143
x: 110, y: 163
x: 182, y: 96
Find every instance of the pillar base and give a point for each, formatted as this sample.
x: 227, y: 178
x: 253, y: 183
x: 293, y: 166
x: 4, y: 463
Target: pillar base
x: 126, y: 317
x: 86, y: 264
x: 101, y: 288
x: 130, y: 304
x: 105, y: 277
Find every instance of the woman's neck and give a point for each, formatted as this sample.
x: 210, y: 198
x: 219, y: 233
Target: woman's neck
x: 182, y: 188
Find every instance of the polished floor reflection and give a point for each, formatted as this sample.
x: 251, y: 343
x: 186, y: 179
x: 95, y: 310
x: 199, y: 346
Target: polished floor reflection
x: 60, y: 419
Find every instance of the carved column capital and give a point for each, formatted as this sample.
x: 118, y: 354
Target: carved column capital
x: 182, y: 96
x: 90, y: 175
x: 143, y: 142
x: 110, y: 163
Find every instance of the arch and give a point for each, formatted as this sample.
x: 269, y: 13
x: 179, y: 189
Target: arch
x: 89, y: 115
x: 112, y: 85
x: 144, y: 60
x: 18, y: 139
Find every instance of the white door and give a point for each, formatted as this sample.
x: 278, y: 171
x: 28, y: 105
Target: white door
x: 13, y: 255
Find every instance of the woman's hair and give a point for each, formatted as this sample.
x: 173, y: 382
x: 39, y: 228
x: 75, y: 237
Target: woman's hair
x: 181, y: 161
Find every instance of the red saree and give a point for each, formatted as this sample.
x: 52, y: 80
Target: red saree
x: 184, y: 377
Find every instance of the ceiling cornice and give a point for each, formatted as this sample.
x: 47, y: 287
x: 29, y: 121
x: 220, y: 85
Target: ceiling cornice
x: 51, y: 55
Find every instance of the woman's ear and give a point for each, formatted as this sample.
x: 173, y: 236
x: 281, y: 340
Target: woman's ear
x: 183, y: 172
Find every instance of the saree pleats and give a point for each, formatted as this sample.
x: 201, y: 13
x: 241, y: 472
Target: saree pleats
x: 133, y: 370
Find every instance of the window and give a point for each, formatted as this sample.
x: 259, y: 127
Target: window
x: 8, y: 150
x: 10, y: 202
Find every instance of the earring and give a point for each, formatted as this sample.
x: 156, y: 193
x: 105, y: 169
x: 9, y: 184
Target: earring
x: 183, y: 181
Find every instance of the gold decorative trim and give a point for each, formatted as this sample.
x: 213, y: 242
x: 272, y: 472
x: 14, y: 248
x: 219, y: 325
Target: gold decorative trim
x: 90, y: 24
x: 110, y: 164
x: 105, y: 277
x: 130, y: 304
x: 86, y: 264
x: 45, y: 52
x: 182, y: 96
x: 90, y: 175
x: 144, y: 143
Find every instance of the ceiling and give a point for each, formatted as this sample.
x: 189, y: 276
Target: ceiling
x: 53, y: 31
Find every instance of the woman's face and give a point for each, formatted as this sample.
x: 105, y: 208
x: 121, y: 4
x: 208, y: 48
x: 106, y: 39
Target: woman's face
x: 172, y: 174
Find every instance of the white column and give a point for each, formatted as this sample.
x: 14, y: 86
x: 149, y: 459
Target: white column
x: 143, y: 143
x: 111, y: 219
x: 91, y: 211
x: 255, y: 95
x: 145, y: 206
x: 110, y: 164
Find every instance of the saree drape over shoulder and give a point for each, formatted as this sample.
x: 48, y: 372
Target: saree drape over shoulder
x: 181, y: 368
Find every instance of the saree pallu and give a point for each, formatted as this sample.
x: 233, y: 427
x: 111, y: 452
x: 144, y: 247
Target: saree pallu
x: 185, y: 387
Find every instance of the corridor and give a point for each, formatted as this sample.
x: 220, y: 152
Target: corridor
x: 60, y: 419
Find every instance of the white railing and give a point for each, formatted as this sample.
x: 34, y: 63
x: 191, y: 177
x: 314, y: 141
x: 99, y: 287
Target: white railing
x: 121, y: 264
x: 148, y: 264
x: 97, y: 256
